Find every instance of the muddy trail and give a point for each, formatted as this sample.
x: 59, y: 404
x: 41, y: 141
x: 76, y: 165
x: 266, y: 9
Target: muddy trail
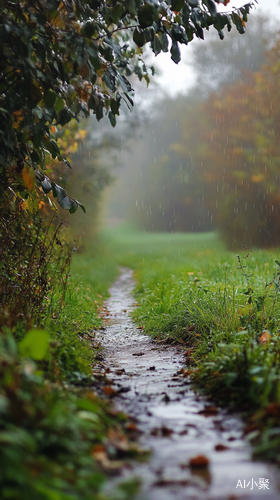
x: 176, y: 424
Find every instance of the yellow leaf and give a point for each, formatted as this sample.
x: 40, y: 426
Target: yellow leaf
x: 28, y: 179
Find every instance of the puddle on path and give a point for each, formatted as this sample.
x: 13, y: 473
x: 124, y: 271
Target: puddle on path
x: 163, y: 402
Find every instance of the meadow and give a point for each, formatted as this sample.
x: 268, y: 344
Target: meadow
x: 224, y: 308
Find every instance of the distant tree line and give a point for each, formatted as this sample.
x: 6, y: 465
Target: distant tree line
x: 213, y: 158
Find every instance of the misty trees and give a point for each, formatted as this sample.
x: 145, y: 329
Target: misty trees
x: 217, y: 64
x: 214, y: 161
x: 63, y: 59
x: 243, y: 157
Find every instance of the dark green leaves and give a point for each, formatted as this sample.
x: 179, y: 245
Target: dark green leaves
x: 56, y: 67
x: 89, y: 29
x: 146, y: 15
x: 239, y: 23
x: 139, y: 37
x: 59, y: 193
x: 112, y: 119
x: 177, y: 5
x: 175, y: 52
x: 211, y: 6
x: 50, y: 98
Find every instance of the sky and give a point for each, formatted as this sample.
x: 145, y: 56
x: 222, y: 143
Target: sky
x: 177, y: 78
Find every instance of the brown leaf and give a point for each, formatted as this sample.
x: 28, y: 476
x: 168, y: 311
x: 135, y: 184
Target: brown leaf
x: 121, y: 371
x: 208, y: 410
x: 199, y: 461
x: 109, y: 391
x: 265, y: 337
x: 221, y: 447
x: 165, y: 431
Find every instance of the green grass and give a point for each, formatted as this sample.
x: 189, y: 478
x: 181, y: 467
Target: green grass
x: 191, y: 289
x: 71, y: 323
x: 50, y: 422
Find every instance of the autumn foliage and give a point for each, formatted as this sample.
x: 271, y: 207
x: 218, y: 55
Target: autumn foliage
x: 242, y: 156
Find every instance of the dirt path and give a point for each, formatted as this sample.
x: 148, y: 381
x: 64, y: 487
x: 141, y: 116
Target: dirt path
x: 176, y: 424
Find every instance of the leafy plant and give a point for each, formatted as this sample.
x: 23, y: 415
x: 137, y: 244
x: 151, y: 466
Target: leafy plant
x: 33, y: 262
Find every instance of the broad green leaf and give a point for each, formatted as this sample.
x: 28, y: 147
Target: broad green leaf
x: 35, y: 344
x: 156, y: 45
x: 175, y: 52
x: 112, y: 118
x: 239, y: 23
x: 139, y: 38
x: 50, y: 98
x: 146, y: 15
x: 177, y: 5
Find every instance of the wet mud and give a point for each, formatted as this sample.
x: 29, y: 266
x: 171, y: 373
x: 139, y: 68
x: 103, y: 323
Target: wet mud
x: 198, y: 451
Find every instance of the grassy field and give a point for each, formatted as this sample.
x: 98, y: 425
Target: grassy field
x: 225, y: 309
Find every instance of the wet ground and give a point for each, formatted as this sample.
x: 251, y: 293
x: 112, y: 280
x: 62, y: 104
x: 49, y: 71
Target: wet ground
x: 198, y: 451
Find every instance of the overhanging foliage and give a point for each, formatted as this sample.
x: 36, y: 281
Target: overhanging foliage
x: 62, y: 59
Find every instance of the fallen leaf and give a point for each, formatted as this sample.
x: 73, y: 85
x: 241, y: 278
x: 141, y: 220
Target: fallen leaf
x: 161, y: 431
x: 221, y: 447
x: 130, y: 426
x: 183, y: 433
x: 208, y: 410
x: 120, y: 372
x: 199, y: 461
x: 123, y: 389
x: 109, y: 391
x: 165, y: 398
x: 165, y: 431
x: 171, y: 482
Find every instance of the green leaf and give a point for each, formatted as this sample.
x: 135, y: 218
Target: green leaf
x: 46, y: 185
x: 68, y: 203
x: 89, y: 29
x: 81, y: 206
x: 177, y: 5
x: 211, y: 6
x: 146, y: 15
x: 59, y: 104
x: 139, y: 38
x: 50, y: 98
x: 115, y: 105
x: 163, y: 41
x: 112, y: 119
x: 156, y: 45
x: 175, y: 52
x: 238, y: 23
x: 54, y: 149
x: 35, y: 344
x: 64, y: 116
x: 109, y: 80
x: 99, y: 111
x: 34, y: 156
x: 125, y: 84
